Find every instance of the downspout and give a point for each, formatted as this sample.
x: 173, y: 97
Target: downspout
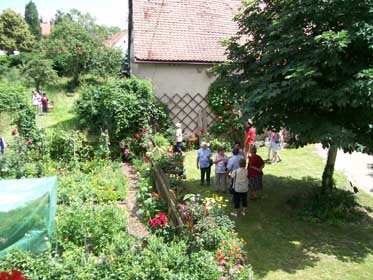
x: 130, y: 28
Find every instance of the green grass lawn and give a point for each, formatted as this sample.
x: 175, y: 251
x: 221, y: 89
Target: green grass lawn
x: 280, y: 246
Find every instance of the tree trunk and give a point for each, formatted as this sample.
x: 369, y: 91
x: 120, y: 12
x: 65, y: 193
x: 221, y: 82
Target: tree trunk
x: 327, y: 177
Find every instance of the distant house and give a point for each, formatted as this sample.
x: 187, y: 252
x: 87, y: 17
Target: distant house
x: 46, y: 29
x: 174, y: 44
x: 119, y: 40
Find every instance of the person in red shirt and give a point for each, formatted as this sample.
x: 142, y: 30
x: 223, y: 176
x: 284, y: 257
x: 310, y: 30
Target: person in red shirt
x: 44, y: 102
x: 255, y: 173
x: 249, y: 137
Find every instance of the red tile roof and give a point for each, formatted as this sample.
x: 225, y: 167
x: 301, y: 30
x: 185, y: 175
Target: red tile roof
x: 116, y: 38
x: 184, y: 31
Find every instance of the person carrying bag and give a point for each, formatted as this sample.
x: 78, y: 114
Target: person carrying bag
x: 239, y: 189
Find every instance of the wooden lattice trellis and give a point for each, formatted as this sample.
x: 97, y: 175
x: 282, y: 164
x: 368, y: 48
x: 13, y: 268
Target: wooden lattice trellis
x: 191, y: 111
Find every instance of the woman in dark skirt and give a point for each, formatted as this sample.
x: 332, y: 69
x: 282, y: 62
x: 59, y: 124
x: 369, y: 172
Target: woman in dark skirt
x: 255, y: 173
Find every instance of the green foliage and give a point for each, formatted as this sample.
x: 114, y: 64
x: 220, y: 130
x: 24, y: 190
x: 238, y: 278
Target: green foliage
x: 304, y: 66
x: 68, y: 147
x: 336, y: 207
x: 88, y: 225
x: 32, y: 19
x: 40, y: 72
x: 123, y: 107
x: 14, y: 33
x: 76, y: 46
x: 216, y: 143
x: 225, y: 104
x: 98, y: 181
x: 13, y: 100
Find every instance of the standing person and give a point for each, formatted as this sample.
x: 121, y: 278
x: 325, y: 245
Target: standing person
x: 38, y: 98
x: 35, y: 101
x: 276, y: 147
x: 220, y: 162
x: 240, y: 186
x: 249, y: 137
x: 44, y: 102
x: 204, y: 163
x: 255, y: 173
x: 2, y: 145
x: 234, y: 160
x: 237, y: 145
x: 269, y: 144
x: 179, y: 138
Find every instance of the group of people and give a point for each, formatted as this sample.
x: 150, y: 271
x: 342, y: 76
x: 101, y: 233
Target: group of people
x: 40, y: 101
x: 245, y: 176
x: 275, y: 143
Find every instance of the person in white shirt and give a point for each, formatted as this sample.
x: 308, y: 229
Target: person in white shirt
x: 240, y: 186
x: 220, y: 162
x: 179, y: 138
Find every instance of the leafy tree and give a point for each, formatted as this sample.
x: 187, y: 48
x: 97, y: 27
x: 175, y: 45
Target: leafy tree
x: 40, y: 71
x: 14, y: 33
x: 123, y: 106
x: 76, y: 46
x: 32, y: 19
x: 306, y: 65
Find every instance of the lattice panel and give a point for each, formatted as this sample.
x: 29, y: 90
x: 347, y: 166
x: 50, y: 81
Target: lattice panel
x: 191, y: 111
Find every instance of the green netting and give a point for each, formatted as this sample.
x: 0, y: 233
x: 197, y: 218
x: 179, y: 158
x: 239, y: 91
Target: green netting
x: 27, y: 212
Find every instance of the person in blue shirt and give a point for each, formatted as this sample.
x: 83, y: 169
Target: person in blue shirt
x: 204, y: 163
x: 234, y: 160
x: 2, y: 145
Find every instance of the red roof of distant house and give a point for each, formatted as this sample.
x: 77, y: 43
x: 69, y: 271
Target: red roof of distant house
x: 184, y: 31
x: 111, y: 42
x: 46, y: 29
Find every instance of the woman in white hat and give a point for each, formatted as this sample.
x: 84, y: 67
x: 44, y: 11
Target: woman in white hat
x: 179, y: 138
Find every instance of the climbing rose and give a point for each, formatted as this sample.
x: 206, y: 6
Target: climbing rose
x: 220, y: 118
x: 202, y: 131
x: 144, y: 129
x: 14, y: 132
x: 137, y: 135
x: 29, y: 142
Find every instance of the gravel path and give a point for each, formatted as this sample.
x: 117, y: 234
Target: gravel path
x: 356, y: 166
x: 135, y: 226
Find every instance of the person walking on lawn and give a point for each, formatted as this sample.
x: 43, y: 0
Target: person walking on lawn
x: 249, y: 137
x: 255, y: 173
x: 220, y: 162
x: 277, y: 144
x: 204, y: 163
x: 240, y: 188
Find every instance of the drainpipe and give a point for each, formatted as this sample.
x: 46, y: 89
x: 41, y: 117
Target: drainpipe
x: 130, y: 28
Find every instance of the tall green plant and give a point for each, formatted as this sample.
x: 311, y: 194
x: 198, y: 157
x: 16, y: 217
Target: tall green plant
x: 32, y: 19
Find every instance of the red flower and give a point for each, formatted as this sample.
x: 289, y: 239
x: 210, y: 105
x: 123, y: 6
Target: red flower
x: 143, y: 136
x: 146, y: 159
x: 29, y: 142
x: 144, y: 129
x: 14, y: 132
x: 136, y: 135
x: 235, y: 111
x: 202, y: 131
x: 15, y: 275
x: 160, y: 221
x: 220, y: 118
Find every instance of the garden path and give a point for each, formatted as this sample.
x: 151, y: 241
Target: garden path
x: 135, y: 226
x: 356, y: 166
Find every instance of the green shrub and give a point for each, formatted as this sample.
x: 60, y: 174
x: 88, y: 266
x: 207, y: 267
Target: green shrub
x: 123, y: 107
x: 335, y: 207
x: 88, y: 225
x: 216, y: 143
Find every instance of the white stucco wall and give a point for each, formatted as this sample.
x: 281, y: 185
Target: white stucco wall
x: 123, y: 44
x: 175, y: 78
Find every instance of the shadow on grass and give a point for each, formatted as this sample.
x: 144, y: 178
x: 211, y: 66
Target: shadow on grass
x: 277, y: 240
x: 67, y: 125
